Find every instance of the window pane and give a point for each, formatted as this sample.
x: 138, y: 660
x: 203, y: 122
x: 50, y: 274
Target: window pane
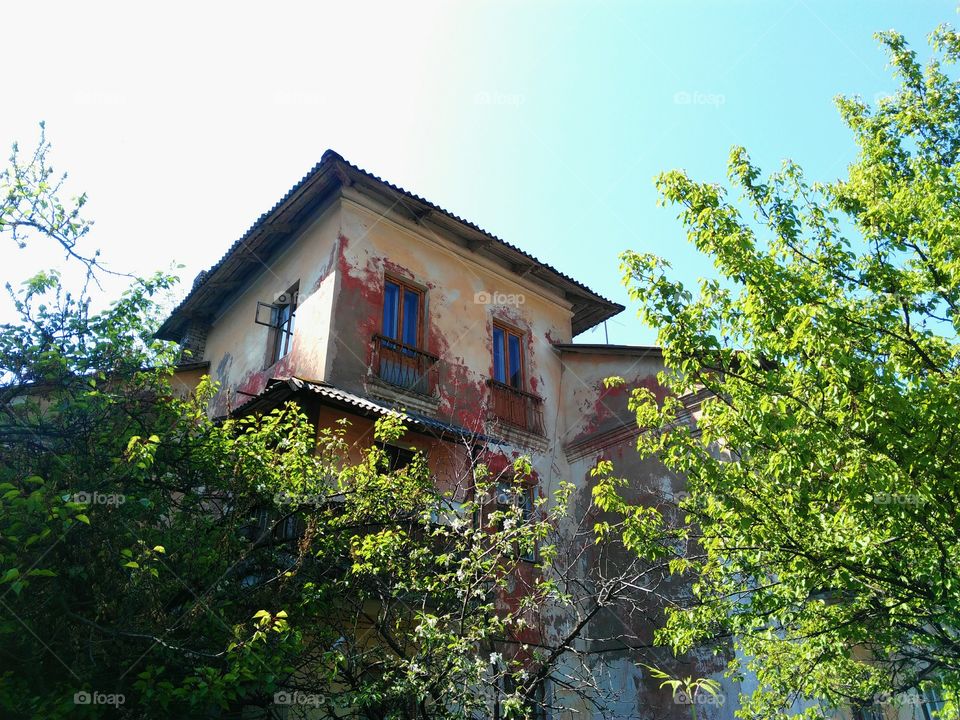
x: 411, y: 318
x: 499, y: 369
x: 516, y: 372
x: 283, y: 322
x: 932, y: 704
x: 286, y: 331
x: 398, y: 458
x: 391, y: 309
x: 527, y: 500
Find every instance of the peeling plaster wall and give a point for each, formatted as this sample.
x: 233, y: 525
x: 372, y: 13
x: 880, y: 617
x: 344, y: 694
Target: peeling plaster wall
x: 340, y: 260
x: 598, y: 425
x: 184, y: 382
x: 237, y: 347
x: 457, y: 328
x: 449, y: 462
x: 589, y: 408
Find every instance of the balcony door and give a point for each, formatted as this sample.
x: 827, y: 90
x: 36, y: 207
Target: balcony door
x: 507, y: 357
x: 400, y: 361
x: 511, y: 401
x: 402, y: 312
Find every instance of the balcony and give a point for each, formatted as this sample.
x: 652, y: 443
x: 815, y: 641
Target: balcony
x: 516, y: 408
x: 404, y: 366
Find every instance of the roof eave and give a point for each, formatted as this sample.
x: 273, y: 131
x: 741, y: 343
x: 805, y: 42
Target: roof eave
x: 324, y: 180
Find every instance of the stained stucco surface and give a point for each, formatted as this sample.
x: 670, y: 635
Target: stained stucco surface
x: 340, y: 259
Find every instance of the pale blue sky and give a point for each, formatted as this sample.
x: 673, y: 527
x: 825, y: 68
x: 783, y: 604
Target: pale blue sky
x: 543, y: 122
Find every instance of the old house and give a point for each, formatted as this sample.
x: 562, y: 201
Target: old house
x: 357, y: 298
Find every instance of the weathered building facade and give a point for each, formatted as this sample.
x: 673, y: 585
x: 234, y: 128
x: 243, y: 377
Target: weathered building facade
x: 357, y: 298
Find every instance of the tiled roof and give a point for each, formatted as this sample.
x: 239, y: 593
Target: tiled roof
x: 363, y: 405
x: 212, y: 287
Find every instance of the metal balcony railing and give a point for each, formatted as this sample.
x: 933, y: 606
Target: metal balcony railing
x: 404, y: 365
x: 515, y: 407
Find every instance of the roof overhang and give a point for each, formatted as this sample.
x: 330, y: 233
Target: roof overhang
x: 280, y: 390
x: 276, y: 227
x: 597, y: 349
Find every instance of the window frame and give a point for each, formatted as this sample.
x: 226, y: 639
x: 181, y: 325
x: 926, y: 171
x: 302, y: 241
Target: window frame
x: 269, y: 527
x: 404, y: 286
x: 280, y: 338
x: 931, y: 701
x: 523, y: 495
x: 507, y: 331
x: 399, y: 457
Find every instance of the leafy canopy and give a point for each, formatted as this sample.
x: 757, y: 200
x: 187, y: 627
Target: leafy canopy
x: 156, y: 562
x: 822, y: 369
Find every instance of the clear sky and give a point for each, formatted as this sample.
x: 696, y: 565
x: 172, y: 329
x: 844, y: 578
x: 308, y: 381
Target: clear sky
x: 543, y: 122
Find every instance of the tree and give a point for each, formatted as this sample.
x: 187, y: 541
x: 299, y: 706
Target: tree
x: 155, y: 562
x: 32, y: 206
x: 823, y: 469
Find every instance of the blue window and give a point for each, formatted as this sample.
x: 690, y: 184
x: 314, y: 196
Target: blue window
x: 507, y: 357
x: 402, y: 311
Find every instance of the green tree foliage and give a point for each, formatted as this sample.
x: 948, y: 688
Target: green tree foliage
x: 822, y: 370
x: 158, y: 563
x: 32, y: 205
x: 195, y: 567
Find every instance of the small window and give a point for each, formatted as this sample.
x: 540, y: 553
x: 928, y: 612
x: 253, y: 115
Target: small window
x: 398, y: 458
x: 507, y: 494
x: 279, y: 316
x: 283, y: 314
x: 508, y: 357
x: 268, y: 525
x: 402, y: 312
x: 932, y: 703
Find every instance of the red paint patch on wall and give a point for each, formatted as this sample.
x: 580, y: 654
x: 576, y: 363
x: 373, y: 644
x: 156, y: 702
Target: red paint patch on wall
x: 610, y: 404
x: 399, y: 271
x: 253, y: 383
x: 364, y: 286
x: 462, y: 392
